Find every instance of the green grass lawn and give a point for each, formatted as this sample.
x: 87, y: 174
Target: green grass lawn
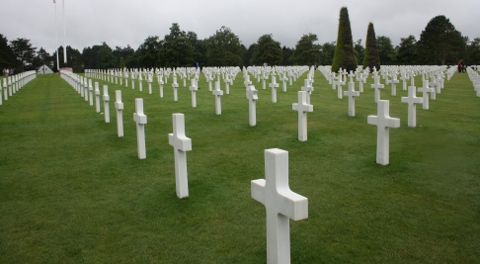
x: 71, y: 191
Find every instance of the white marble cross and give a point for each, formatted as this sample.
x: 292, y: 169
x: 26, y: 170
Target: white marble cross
x: 412, y: 100
x: 281, y: 205
x: 175, y: 86
x: 140, y: 81
x: 284, y: 80
x: 404, y: 78
x: 90, y: 90
x: 227, y: 81
x: 181, y: 144
x: 85, y: 87
x: 274, y: 86
x: 340, y: 82
x: 351, y: 93
x: 377, y: 86
x: 252, y: 96
x: 97, y: 98
x: 433, y: 84
x: 5, y: 89
x: 383, y: 121
x: 119, y: 107
x: 307, y: 87
x: 194, y: 89
x: 160, y: 84
x: 303, y: 108
x: 218, y: 103
x: 425, y: 90
x: 150, y: 80
x: 106, y: 104
x: 141, y: 119
x: 394, y: 82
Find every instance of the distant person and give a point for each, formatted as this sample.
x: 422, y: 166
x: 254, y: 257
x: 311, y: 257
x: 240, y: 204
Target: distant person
x: 460, y: 66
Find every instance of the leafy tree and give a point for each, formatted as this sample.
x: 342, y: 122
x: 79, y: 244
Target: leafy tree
x: 74, y: 59
x: 42, y: 57
x: 105, y: 57
x: 344, y: 53
x: 147, y: 55
x: 371, y: 58
x: 440, y: 42
x: 123, y: 53
x: 287, y: 55
x: 199, y: 48
x: 307, y: 52
x: 472, y: 52
x: 224, y: 49
x: 7, y: 57
x: 176, y: 49
x: 359, y: 50
x: 248, y: 56
x: 25, y: 53
x: 327, y: 52
x: 386, y: 52
x: 267, y: 51
x: 406, y: 52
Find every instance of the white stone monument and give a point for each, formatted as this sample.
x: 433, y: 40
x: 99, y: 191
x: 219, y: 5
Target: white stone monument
x: 377, y: 86
x: 119, y: 107
x: 106, y: 106
x: 97, y: 98
x: 252, y: 96
x: 181, y: 144
x: 425, y: 90
x: 303, y: 108
x: 412, y: 100
x: 90, y: 90
x: 351, y: 93
x: 274, y: 86
x: 141, y: 119
x: 384, y: 122
x: 281, y: 204
x: 175, y: 87
x: 218, y: 94
x: 194, y: 88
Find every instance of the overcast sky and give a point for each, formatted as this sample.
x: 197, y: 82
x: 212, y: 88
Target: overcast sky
x: 122, y: 23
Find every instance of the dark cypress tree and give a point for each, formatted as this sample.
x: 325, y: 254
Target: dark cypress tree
x: 344, y: 53
x: 371, y: 58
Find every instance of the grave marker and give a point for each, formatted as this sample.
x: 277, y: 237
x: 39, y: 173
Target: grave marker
x: 303, y: 108
x: 106, y: 100
x: 412, y: 100
x: 141, y: 119
x: 252, y: 96
x: 425, y: 90
x: 218, y: 103
x: 181, y: 144
x: 194, y: 89
x: 119, y: 107
x: 377, y: 86
x: 281, y: 204
x: 97, y: 98
x: 384, y: 122
x: 351, y: 93
x: 274, y: 86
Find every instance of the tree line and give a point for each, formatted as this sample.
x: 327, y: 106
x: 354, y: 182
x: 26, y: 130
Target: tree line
x: 440, y: 43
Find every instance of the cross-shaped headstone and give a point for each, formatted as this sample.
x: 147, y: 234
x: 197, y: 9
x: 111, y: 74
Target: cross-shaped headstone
x: 425, y: 90
x: 106, y: 104
x: 175, y: 86
x: 412, y: 100
x: 284, y: 80
x: 5, y: 89
x: 404, y: 78
x: 97, y: 98
x: 281, y: 204
x: 274, y: 86
x: 394, y: 82
x: 377, y: 86
x: 218, y: 103
x: 351, y: 93
x: 141, y: 119
x: 433, y: 84
x: 90, y: 90
x: 181, y: 144
x: 384, y: 122
x: 307, y: 87
x: 140, y: 81
x: 119, y: 107
x: 252, y: 96
x: 303, y: 108
x: 194, y: 89
x: 227, y: 81
x: 160, y: 84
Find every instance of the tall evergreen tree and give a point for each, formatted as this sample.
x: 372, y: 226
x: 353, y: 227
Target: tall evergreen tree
x: 371, y: 58
x: 267, y: 51
x: 344, y: 53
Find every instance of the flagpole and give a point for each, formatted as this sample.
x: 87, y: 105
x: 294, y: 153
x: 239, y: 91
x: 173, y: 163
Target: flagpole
x: 56, y: 34
x: 63, y: 21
